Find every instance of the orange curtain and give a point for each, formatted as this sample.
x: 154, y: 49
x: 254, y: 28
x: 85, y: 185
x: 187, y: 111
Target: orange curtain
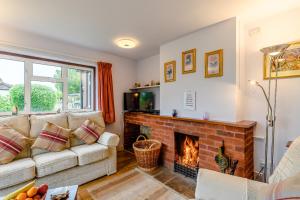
x: 105, y: 92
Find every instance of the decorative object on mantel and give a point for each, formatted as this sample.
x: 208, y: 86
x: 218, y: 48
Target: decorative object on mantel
x: 147, y: 153
x: 289, y: 68
x: 189, y: 61
x: 137, y: 84
x: 205, y: 116
x: 170, y: 71
x: 221, y: 159
x: 214, y: 63
x: 174, y: 113
x: 189, y: 100
x: 276, y: 56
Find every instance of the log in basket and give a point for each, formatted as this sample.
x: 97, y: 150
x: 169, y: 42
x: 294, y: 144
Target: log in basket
x: 147, y: 153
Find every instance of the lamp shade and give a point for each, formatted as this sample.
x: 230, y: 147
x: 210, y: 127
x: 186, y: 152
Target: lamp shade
x: 275, y: 50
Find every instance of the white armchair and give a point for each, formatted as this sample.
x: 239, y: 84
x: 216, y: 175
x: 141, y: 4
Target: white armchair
x: 213, y: 185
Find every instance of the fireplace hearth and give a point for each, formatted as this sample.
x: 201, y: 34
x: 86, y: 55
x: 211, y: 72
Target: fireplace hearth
x: 186, y: 155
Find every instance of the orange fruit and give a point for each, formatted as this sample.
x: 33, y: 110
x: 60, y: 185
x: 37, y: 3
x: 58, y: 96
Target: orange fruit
x: 32, y: 191
x: 21, y: 196
x: 29, y: 199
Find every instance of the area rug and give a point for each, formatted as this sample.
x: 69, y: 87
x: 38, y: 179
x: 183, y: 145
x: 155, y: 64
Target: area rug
x: 133, y: 185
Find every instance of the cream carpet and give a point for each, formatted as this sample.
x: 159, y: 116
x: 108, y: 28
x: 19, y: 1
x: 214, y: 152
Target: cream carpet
x: 133, y: 185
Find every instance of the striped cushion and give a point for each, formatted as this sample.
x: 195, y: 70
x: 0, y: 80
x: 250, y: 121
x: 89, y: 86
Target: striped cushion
x: 52, y: 138
x: 89, y: 132
x: 11, y: 144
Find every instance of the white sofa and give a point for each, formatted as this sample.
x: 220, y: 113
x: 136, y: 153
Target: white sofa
x: 78, y: 164
x: 213, y: 185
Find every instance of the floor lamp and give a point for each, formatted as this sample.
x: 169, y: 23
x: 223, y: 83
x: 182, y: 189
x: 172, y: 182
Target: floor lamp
x: 275, y: 54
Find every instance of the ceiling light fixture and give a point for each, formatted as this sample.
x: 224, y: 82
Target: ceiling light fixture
x: 126, y: 43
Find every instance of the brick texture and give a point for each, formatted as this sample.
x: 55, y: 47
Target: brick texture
x: 238, y: 140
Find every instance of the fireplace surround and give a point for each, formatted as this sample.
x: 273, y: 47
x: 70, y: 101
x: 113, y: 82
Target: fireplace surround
x: 238, y: 138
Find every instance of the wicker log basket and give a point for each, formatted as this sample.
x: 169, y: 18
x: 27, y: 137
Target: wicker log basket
x: 147, y: 152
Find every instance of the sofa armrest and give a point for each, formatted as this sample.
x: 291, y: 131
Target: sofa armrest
x: 109, y: 139
x: 218, y: 186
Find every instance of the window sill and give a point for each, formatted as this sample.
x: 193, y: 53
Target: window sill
x: 8, y: 114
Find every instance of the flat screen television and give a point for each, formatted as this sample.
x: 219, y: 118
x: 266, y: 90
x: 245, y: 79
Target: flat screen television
x: 139, y: 101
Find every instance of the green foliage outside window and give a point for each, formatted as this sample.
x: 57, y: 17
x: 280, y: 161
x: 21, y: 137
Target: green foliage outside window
x: 5, y: 104
x: 43, y: 98
x: 74, y: 81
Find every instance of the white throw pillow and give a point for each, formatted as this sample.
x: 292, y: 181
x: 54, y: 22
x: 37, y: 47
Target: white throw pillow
x: 286, y: 189
x: 289, y: 165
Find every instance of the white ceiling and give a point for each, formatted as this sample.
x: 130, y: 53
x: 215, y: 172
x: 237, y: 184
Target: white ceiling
x: 97, y: 23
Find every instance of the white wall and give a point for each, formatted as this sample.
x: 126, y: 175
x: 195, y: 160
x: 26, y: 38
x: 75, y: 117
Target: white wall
x: 148, y: 70
x: 281, y: 28
x: 216, y: 96
x: 124, y: 70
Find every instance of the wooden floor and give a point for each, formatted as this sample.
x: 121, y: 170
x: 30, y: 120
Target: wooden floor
x: 126, y: 162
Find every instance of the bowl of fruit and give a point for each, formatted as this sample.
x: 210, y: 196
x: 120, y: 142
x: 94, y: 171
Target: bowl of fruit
x: 29, y: 192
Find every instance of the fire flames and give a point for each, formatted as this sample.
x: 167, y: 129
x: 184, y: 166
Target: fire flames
x: 190, y: 152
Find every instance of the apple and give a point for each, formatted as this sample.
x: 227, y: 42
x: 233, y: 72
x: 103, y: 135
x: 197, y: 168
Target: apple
x: 42, y: 189
x: 37, y: 197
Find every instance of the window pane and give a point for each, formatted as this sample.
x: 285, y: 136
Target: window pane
x: 79, y: 89
x: 46, y: 96
x: 46, y: 71
x: 11, y: 85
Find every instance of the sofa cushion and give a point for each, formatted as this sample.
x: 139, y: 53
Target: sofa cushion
x: 89, y: 132
x: 16, y: 172
x: 12, y: 143
x: 52, y: 162
x: 52, y: 138
x: 289, y: 165
x: 90, y: 153
x: 77, y: 119
x: 21, y: 124
x: 37, y: 123
x: 286, y: 189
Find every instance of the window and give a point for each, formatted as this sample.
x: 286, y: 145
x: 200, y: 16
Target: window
x: 11, y: 84
x: 35, y: 86
x: 79, y: 89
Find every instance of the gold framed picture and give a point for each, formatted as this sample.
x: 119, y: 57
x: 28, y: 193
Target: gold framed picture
x: 170, y: 71
x: 214, y: 63
x: 189, y: 61
x: 290, y: 67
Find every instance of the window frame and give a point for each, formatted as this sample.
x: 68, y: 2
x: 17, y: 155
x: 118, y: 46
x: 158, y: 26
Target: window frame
x: 29, y: 77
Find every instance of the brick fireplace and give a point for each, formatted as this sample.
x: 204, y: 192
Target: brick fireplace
x: 237, y: 137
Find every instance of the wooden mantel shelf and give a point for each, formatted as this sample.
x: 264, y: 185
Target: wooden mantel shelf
x: 240, y: 124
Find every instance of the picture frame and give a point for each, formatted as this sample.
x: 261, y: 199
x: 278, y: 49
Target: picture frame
x: 189, y: 61
x: 170, y: 71
x: 290, y: 67
x: 214, y: 64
